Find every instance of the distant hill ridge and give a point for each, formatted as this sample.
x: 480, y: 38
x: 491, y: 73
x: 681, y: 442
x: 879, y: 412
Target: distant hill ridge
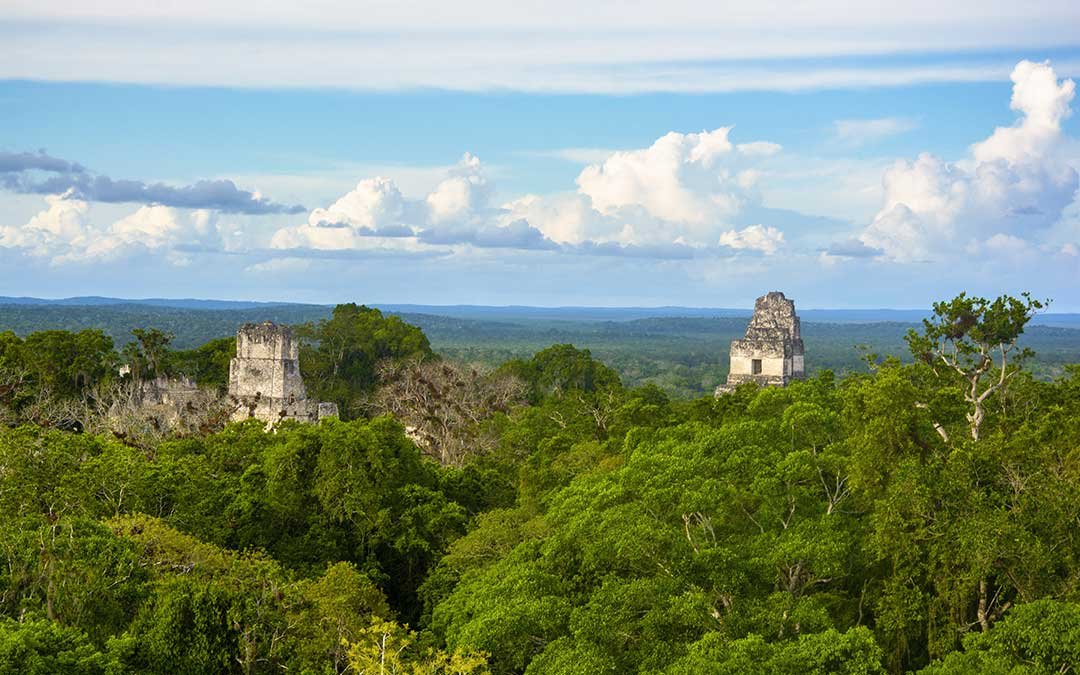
x: 179, y: 303
x: 521, y: 312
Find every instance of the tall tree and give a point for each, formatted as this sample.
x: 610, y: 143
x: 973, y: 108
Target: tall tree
x: 341, y: 355
x: 976, y: 339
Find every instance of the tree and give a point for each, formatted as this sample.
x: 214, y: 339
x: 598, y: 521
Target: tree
x: 1038, y: 637
x: 208, y: 364
x: 561, y: 369
x: 972, y: 337
x: 444, y: 405
x: 64, y: 364
x: 341, y: 355
x: 42, y: 647
x: 385, y: 648
x: 147, y: 355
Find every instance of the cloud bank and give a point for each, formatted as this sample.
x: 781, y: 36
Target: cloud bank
x: 65, y: 233
x: 560, y: 45
x: 21, y: 172
x: 688, y: 203
x: 678, y: 196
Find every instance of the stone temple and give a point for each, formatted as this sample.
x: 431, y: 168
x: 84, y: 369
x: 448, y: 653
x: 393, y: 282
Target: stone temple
x: 265, y: 380
x: 771, y: 352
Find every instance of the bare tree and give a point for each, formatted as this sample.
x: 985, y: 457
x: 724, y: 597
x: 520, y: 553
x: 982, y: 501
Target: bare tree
x: 12, y: 381
x: 444, y: 405
x: 145, y: 413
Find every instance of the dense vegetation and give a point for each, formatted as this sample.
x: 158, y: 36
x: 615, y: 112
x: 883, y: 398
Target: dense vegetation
x: 686, y: 357
x: 914, y: 516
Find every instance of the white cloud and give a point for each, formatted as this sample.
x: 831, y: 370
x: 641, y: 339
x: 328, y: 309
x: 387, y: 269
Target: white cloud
x: 678, y: 189
x: 1002, y: 246
x: 374, y: 203
x: 754, y: 238
x: 375, y: 216
x: 1006, y: 243
x: 1016, y: 182
x: 759, y: 148
x: 1044, y: 103
x: 64, y: 233
x: 682, y: 194
x: 560, y: 45
x: 860, y: 132
x: 564, y: 218
x: 57, y: 228
x: 458, y: 198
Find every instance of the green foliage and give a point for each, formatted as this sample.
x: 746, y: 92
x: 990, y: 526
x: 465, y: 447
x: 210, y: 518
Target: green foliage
x: 386, y: 649
x: 841, y: 524
x: 146, y: 356
x: 1039, y: 637
x: 341, y: 357
x: 41, y: 647
x: 207, y: 364
x: 54, y: 364
x: 972, y: 337
x: 561, y: 369
x: 852, y: 652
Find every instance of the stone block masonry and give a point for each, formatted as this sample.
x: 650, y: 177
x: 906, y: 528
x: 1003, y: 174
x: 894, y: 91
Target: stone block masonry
x: 265, y: 379
x: 771, y: 353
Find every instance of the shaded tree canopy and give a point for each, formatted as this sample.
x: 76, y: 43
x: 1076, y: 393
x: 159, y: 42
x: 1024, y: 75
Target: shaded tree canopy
x: 849, y: 524
x: 341, y: 355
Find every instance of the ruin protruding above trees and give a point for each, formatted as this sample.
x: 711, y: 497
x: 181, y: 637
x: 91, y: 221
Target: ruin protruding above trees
x: 771, y: 353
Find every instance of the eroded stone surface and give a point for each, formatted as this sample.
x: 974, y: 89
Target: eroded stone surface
x: 264, y: 377
x: 771, y: 353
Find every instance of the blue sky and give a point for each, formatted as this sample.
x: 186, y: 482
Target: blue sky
x: 693, y: 155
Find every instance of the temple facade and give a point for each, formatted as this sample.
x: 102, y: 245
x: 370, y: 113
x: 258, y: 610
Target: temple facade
x: 265, y: 380
x: 771, y: 353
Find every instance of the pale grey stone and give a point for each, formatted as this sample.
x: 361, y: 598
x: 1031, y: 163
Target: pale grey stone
x: 771, y: 353
x: 265, y: 380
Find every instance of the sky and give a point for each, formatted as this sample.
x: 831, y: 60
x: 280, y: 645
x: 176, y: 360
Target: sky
x: 852, y: 155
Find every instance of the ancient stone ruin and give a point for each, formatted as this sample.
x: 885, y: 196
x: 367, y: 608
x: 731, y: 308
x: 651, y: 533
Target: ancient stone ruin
x: 771, y: 352
x: 265, y: 380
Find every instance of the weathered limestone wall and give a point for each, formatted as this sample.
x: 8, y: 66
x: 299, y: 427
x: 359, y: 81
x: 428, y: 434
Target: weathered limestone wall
x: 265, y: 377
x: 774, y: 365
x: 773, y: 338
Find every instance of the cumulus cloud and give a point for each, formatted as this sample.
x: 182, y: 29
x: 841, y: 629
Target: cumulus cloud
x: 516, y: 234
x: 567, y: 218
x: 376, y: 216
x: 691, y: 180
x: 754, y: 238
x: 684, y: 189
x: 373, y: 205
x: 461, y: 196
x: 678, y: 195
x: 23, y: 172
x: 851, y: 248
x: 60, y: 226
x: 65, y: 233
x: 1016, y: 183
